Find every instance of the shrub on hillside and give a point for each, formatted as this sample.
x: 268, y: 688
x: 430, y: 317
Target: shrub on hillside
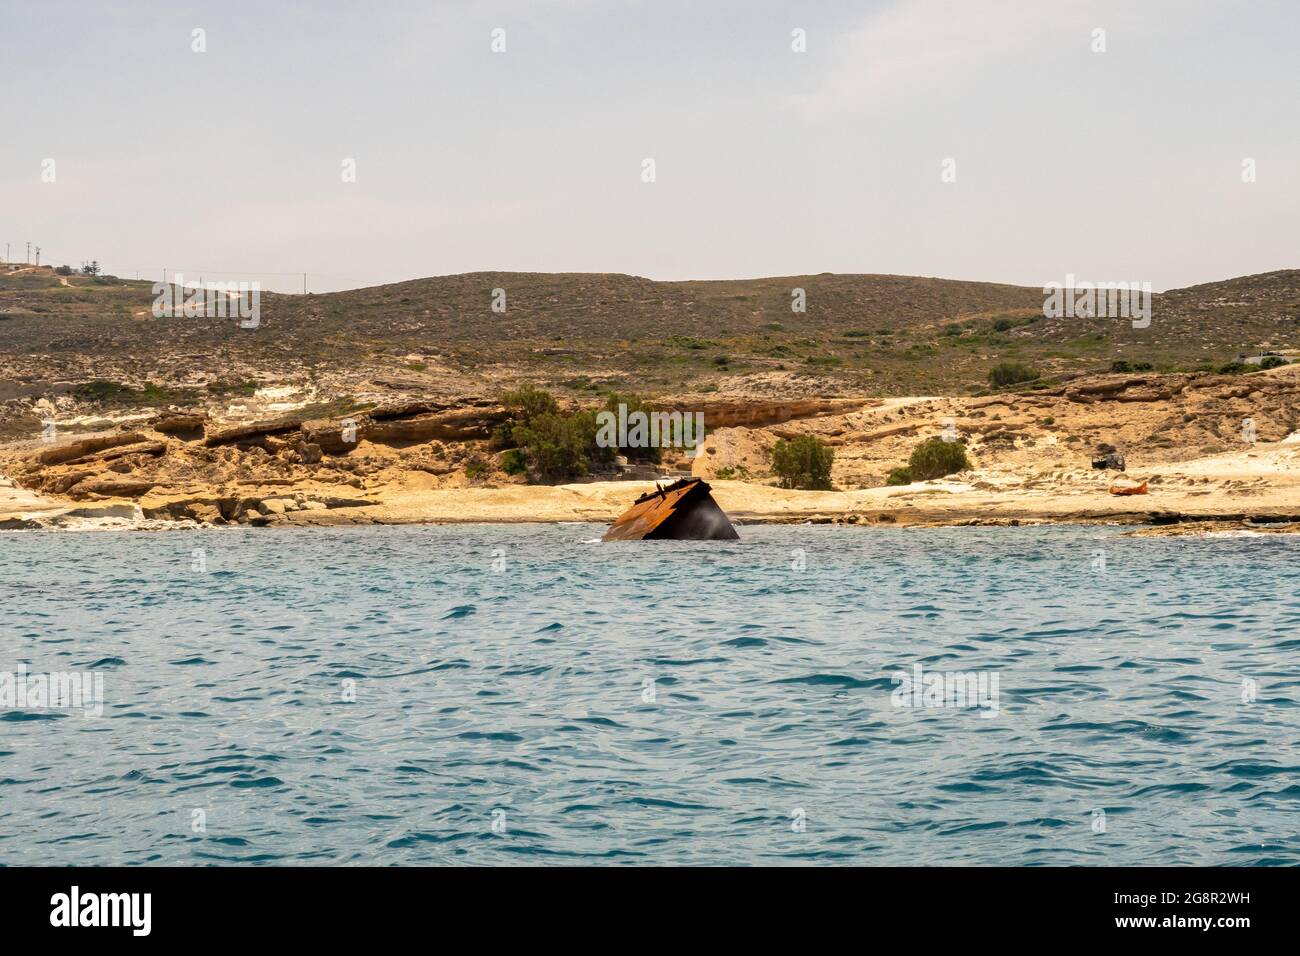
x: 1011, y: 373
x: 803, y: 462
x: 1272, y: 361
x: 934, y: 458
x: 1122, y: 366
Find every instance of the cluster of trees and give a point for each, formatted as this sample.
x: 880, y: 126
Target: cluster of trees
x: 546, y: 442
x: 89, y: 269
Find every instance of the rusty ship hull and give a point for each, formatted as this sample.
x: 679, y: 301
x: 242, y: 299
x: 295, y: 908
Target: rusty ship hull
x: 682, y: 511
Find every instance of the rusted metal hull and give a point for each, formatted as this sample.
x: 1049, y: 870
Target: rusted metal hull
x: 682, y: 511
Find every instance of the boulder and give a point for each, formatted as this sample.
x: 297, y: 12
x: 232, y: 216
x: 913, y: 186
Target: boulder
x: 461, y: 424
x: 182, y: 424
x: 121, y: 451
x: 87, y: 446
x: 251, y: 432
x: 112, y: 487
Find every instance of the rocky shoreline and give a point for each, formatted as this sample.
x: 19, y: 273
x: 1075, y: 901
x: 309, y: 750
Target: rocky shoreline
x: 426, y: 461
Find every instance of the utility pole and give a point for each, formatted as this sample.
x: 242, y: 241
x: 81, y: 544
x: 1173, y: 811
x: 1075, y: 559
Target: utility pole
x: 29, y: 253
x: 304, y: 283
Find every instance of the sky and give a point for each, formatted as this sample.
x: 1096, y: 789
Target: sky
x: 972, y: 139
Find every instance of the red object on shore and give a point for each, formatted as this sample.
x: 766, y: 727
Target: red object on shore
x: 1130, y: 490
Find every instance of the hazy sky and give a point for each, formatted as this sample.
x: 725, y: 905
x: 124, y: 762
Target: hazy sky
x: 1121, y: 165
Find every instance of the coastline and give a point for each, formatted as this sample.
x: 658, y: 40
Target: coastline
x: 1032, y: 459
x: 929, y: 504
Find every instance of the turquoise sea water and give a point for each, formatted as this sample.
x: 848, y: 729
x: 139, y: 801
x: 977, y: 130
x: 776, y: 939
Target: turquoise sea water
x: 524, y: 694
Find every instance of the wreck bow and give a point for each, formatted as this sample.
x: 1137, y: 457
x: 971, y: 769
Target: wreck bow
x: 682, y: 511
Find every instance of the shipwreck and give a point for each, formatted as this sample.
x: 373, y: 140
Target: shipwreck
x: 682, y: 511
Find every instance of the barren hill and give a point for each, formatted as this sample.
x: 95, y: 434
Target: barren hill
x: 92, y: 344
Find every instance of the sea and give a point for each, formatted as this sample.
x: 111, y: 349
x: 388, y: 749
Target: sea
x: 526, y: 695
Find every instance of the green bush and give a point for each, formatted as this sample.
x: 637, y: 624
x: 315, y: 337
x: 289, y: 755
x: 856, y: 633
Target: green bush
x: 634, y: 404
x: 1272, y: 361
x: 1011, y: 373
x: 1003, y: 325
x: 552, y: 444
x: 899, y: 476
x: 526, y: 402
x: 148, y: 394
x: 1234, y: 368
x: 730, y: 473
x: 523, y: 405
x: 803, y: 462
x: 560, y: 446
x: 512, y: 462
x: 547, y: 443
x: 689, y: 342
x: 934, y: 458
x: 1122, y: 366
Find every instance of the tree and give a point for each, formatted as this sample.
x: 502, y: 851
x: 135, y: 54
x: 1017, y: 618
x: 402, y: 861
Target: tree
x: 526, y: 402
x: 803, y: 462
x: 90, y: 268
x: 633, y: 404
x: 934, y: 458
x: 546, y: 442
x: 560, y: 446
